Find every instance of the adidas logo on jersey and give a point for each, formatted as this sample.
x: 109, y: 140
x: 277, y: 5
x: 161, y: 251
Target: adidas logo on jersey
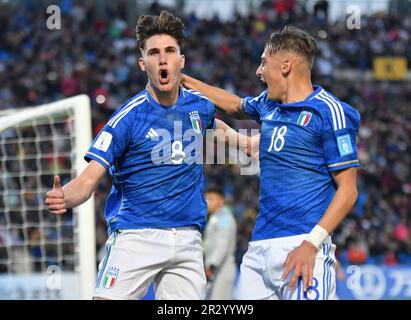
x: 152, y: 133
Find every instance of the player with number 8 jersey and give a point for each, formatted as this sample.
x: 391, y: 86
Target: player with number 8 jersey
x: 169, y: 187
x: 156, y: 209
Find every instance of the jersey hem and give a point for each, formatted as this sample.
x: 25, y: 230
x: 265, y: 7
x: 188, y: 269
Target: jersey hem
x: 119, y: 226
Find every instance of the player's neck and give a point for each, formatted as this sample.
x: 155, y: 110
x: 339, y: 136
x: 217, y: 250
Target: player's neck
x: 297, y: 90
x: 168, y: 98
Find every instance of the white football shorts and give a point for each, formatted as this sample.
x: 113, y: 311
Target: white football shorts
x: 263, y: 266
x: 172, y: 258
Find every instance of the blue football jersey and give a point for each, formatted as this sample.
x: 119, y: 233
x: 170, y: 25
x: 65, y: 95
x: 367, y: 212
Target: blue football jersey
x: 146, y: 147
x: 301, y: 144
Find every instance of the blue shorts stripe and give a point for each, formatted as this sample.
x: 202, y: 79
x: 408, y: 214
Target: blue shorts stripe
x: 330, y: 261
x: 108, y: 249
x: 326, y: 271
x: 325, y: 261
x: 329, y: 277
x: 103, y: 267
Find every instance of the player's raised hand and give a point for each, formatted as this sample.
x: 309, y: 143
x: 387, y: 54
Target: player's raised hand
x: 300, y: 262
x: 55, y: 198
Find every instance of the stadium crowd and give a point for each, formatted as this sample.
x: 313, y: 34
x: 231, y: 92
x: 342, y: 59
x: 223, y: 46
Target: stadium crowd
x: 98, y: 56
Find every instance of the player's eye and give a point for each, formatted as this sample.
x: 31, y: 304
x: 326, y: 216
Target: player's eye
x: 152, y: 52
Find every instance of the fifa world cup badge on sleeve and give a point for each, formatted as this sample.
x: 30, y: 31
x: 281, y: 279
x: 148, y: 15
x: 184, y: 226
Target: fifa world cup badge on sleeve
x: 103, y: 141
x: 344, y: 145
x: 110, y: 278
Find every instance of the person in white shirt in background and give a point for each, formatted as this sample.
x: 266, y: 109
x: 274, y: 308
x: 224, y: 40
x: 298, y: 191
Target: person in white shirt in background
x: 220, y: 238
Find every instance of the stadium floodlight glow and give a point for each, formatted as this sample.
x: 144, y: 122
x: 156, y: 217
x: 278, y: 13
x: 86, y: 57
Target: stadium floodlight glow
x: 100, y: 99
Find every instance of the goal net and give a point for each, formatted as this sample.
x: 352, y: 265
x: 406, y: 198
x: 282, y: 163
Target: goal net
x: 43, y: 256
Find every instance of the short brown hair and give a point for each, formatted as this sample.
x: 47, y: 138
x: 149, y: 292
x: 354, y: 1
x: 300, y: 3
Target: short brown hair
x: 165, y: 23
x: 292, y: 39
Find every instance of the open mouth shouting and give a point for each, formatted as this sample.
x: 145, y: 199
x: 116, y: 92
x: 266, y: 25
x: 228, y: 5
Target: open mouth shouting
x: 164, y: 76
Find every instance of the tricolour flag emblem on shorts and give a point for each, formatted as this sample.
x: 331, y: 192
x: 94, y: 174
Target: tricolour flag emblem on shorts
x: 304, y: 118
x: 110, y: 278
x: 195, y: 121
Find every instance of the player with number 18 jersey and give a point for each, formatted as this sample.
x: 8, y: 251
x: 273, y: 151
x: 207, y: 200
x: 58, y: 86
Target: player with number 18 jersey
x: 308, y: 140
x: 301, y: 144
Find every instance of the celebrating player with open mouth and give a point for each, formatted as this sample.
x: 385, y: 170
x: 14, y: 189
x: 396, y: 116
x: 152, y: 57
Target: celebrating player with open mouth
x: 308, y: 160
x: 155, y: 211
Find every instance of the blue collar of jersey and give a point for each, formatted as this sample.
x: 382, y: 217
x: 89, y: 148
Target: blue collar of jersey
x: 157, y: 105
x: 317, y: 90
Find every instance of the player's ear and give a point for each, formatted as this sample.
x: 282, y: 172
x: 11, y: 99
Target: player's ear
x: 142, y: 64
x: 182, y: 61
x: 286, y: 67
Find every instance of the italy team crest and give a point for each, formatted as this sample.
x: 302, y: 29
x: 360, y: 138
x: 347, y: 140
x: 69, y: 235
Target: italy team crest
x: 304, y: 118
x: 110, y: 278
x: 195, y: 121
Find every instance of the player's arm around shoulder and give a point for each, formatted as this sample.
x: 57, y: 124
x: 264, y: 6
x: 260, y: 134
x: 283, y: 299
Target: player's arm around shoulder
x: 227, y: 135
x: 224, y: 100
x: 77, y: 191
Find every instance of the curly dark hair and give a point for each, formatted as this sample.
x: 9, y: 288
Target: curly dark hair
x: 165, y: 23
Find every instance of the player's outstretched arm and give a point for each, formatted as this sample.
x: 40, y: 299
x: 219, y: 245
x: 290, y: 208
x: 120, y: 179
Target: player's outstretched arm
x: 77, y: 191
x: 224, y: 100
x: 301, y: 260
x: 227, y: 135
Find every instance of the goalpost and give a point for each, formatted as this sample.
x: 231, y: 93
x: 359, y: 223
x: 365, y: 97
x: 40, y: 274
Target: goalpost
x: 43, y: 256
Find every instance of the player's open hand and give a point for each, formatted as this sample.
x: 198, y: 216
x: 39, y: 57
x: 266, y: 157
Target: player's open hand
x: 300, y: 262
x: 55, y: 198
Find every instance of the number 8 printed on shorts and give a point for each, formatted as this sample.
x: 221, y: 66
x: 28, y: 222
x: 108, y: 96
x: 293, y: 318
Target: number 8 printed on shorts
x: 312, y: 292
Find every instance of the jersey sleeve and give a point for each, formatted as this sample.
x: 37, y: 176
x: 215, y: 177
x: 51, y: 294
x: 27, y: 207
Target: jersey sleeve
x: 253, y: 106
x: 111, y: 141
x: 340, y: 129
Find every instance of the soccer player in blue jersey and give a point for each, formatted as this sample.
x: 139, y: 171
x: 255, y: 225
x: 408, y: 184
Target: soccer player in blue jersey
x: 156, y: 208
x: 308, y: 159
